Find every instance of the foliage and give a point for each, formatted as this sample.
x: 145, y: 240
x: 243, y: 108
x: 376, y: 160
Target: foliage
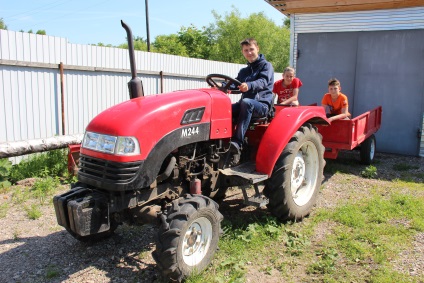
x: 52, y: 163
x: 3, y: 210
x: 369, y: 172
x: 106, y: 45
x: 41, y: 32
x: 220, y: 41
x: 189, y: 42
x: 230, y: 29
x: 295, y: 242
x: 44, y: 188
x: 52, y: 271
x: 326, y: 262
x: 169, y: 44
x: 2, y: 24
x: 196, y: 41
x: 138, y: 42
x: 33, y: 212
x: 5, y: 167
x: 20, y: 195
x: 287, y: 23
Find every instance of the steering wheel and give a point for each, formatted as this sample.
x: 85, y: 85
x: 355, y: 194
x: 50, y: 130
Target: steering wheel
x: 210, y: 79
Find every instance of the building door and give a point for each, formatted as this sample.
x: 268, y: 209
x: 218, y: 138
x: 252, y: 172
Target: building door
x: 375, y: 68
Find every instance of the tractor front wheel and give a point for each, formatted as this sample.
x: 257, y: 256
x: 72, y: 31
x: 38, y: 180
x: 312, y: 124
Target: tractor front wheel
x: 188, y: 236
x: 295, y: 181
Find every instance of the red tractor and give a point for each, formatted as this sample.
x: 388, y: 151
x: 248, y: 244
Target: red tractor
x: 165, y: 159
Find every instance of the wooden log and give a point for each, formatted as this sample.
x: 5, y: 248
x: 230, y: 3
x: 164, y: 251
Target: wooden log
x: 18, y: 148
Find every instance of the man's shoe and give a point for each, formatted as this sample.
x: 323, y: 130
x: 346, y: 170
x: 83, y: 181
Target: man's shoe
x: 235, y: 149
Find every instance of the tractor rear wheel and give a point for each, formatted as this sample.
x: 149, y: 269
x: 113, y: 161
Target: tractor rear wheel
x: 296, y: 179
x: 188, y: 236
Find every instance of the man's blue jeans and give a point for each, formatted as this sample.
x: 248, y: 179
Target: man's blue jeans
x: 245, y: 109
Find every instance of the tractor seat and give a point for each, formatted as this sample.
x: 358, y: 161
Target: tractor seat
x: 263, y: 120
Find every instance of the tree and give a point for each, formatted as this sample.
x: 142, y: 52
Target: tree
x: 195, y: 41
x: 287, y: 23
x: 41, y: 31
x: 169, y: 44
x: 102, y: 44
x: 229, y: 30
x: 139, y: 44
x: 190, y: 41
x: 2, y: 24
x: 220, y: 41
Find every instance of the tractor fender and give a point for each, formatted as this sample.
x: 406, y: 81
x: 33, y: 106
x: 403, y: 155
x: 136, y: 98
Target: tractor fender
x: 281, y: 129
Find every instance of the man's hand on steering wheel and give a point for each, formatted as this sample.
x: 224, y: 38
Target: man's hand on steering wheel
x: 211, y: 80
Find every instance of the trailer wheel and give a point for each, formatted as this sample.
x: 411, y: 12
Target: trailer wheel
x: 188, y: 236
x: 368, y: 150
x: 295, y: 181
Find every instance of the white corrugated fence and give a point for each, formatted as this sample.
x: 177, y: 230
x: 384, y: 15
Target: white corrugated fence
x: 94, y: 78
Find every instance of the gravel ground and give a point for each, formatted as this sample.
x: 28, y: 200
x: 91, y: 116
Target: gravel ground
x: 41, y: 251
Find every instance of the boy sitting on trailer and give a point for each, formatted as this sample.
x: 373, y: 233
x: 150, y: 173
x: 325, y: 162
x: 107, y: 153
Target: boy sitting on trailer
x: 335, y: 103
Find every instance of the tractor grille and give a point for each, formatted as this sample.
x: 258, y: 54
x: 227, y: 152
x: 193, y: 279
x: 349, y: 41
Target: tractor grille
x: 107, y: 170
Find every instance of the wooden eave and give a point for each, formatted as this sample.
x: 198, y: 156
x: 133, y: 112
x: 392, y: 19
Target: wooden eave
x: 288, y: 7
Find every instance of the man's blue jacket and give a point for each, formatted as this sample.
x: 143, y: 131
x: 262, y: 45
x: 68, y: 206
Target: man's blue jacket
x: 259, y: 77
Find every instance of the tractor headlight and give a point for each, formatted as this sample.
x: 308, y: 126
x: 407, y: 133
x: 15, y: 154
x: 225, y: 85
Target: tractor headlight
x: 111, y: 144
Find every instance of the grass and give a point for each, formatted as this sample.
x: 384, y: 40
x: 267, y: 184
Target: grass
x: 3, y: 210
x: 52, y: 271
x: 33, y: 212
x: 49, y: 169
x: 43, y: 189
x: 354, y: 241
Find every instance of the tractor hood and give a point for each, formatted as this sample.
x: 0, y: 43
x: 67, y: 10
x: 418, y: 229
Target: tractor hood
x: 151, y: 118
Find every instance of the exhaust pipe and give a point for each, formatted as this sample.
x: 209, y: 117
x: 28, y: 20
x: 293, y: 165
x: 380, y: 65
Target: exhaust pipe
x: 135, y: 85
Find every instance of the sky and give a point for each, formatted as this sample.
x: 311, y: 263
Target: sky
x: 95, y: 21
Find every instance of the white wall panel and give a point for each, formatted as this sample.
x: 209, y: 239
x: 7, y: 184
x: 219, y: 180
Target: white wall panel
x: 393, y: 19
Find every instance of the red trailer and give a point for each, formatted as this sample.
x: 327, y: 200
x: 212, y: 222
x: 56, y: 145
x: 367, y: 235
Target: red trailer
x: 352, y: 133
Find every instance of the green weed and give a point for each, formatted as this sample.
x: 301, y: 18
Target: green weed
x: 52, y: 272
x: 33, y: 212
x: 52, y: 163
x: 326, y: 262
x: 44, y: 188
x: 369, y: 172
x: 5, y: 166
x: 295, y: 242
x: 21, y: 195
x: 3, y: 210
x: 16, y: 235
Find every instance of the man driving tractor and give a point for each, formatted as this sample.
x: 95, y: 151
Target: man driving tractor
x: 257, y: 80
